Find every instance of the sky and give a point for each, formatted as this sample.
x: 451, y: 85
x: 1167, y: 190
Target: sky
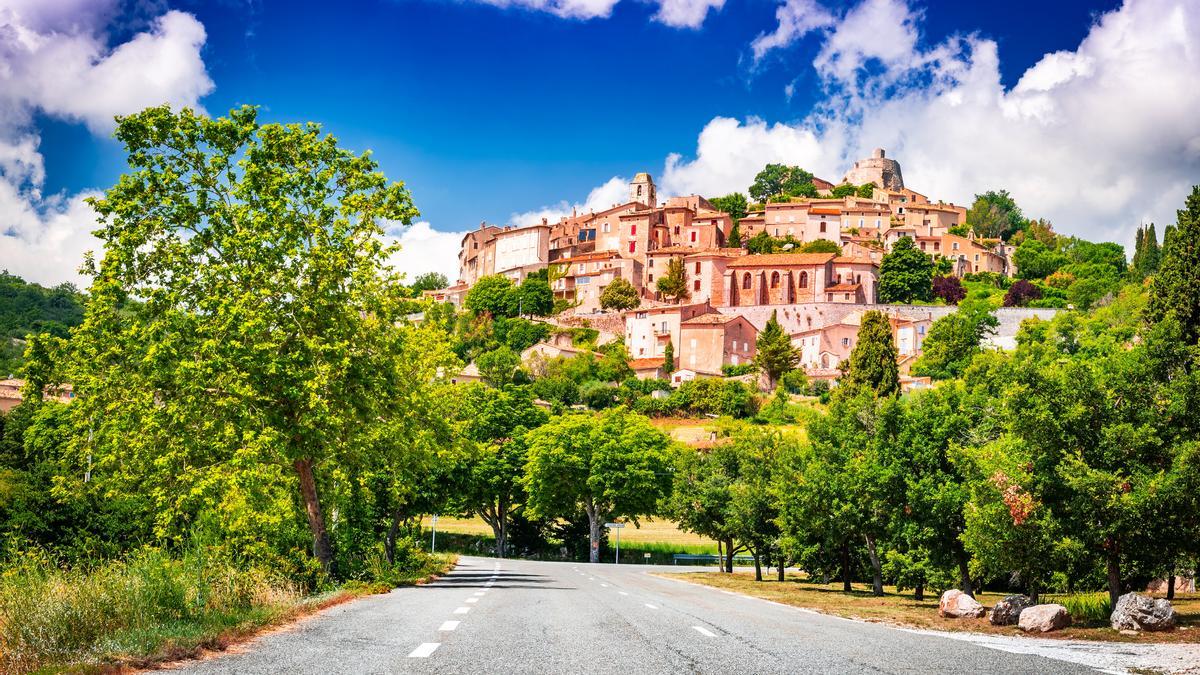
x: 508, y: 111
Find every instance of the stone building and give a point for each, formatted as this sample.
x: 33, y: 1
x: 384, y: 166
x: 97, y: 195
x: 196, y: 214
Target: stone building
x: 877, y: 169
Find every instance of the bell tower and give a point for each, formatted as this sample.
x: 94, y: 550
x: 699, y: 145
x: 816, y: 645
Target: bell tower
x: 641, y: 190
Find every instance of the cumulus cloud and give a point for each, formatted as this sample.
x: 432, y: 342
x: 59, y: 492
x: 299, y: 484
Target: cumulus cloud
x: 612, y: 192
x: 794, y: 19
x: 424, y: 249
x: 54, y: 60
x: 1096, y: 139
x: 674, y: 13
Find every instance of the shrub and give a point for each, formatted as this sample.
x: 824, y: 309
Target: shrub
x: 949, y: 289
x: 1021, y: 293
x: 597, y: 395
x: 734, y: 370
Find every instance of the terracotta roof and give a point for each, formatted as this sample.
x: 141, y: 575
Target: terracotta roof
x: 710, y: 319
x: 825, y: 211
x: 643, y: 364
x: 588, y: 257
x: 842, y: 288
x: 725, y: 252
x: 776, y: 259
x: 853, y: 260
x: 673, y: 249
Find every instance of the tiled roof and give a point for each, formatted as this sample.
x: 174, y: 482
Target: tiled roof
x: 589, y: 257
x: 853, y: 260
x: 825, y: 211
x: 842, y: 288
x: 643, y: 364
x: 710, y: 319
x: 777, y: 259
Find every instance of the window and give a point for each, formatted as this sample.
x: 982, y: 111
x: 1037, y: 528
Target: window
x: 582, y: 281
x: 845, y: 342
x: 746, y: 280
x: 633, y: 229
x: 693, y: 236
x: 858, y: 278
x: 697, y: 268
x: 604, y: 228
x: 582, y: 267
x: 822, y: 226
x: 696, y: 285
x: 861, y: 221
x: 777, y: 232
x: 651, y: 276
x: 936, y: 245
x: 804, y: 284
x: 778, y: 218
x: 774, y: 279
x: 633, y: 247
x: 791, y: 218
x: 954, y: 245
x: 693, y: 341
x: 976, y: 257
x: 676, y: 229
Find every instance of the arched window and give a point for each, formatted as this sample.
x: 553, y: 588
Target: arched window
x: 746, y: 280
x: 774, y: 279
x: 804, y: 280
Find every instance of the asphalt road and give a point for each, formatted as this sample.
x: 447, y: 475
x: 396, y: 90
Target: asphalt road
x: 514, y: 616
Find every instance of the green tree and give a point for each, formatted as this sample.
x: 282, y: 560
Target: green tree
x: 995, y: 215
x: 872, y: 362
x: 532, y: 297
x: 734, y: 204
x: 265, y: 336
x: 608, y: 466
x: 1035, y: 260
x: 619, y: 295
x: 954, y: 340
x: 1175, y: 287
x: 819, y: 246
x: 761, y: 243
x: 905, y: 274
x: 498, y: 366
x: 430, y: 281
x: 866, y: 190
x: 774, y: 353
x: 669, y: 358
x: 844, y: 190
x: 492, y: 295
x: 779, y: 180
x: 674, y: 284
x: 735, y: 236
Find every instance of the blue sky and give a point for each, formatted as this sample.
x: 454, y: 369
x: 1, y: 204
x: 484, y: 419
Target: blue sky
x: 503, y: 110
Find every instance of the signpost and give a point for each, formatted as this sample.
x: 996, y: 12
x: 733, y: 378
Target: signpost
x: 617, y: 527
x: 433, y: 544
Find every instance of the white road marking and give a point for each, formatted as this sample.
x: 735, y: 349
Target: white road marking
x: 704, y: 631
x: 472, y: 599
x: 622, y: 592
x: 650, y: 606
x: 604, y: 585
x: 449, y: 625
x: 462, y: 610
x: 424, y: 650
x: 480, y: 592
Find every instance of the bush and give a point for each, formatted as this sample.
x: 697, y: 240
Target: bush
x: 949, y: 289
x: 732, y: 370
x: 1021, y: 293
x: 598, y: 395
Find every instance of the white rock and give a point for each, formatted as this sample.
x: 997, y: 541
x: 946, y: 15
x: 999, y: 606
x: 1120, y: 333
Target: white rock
x: 956, y: 605
x: 1044, y: 618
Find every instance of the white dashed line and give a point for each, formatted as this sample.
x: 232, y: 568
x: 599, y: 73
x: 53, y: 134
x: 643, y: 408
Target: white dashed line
x: 480, y: 592
x: 462, y: 610
x: 650, y: 606
x: 604, y: 585
x: 704, y: 631
x: 622, y: 592
x: 423, y: 651
x: 449, y: 625
x: 472, y: 599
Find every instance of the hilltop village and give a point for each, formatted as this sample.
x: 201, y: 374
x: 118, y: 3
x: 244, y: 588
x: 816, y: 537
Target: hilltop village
x: 821, y: 274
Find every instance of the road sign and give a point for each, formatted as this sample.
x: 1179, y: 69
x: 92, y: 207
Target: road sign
x: 615, y: 526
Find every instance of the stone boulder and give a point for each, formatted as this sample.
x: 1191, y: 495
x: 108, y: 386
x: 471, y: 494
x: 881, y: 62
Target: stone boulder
x: 956, y: 605
x: 1007, y: 612
x: 1044, y: 618
x: 1137, y: 612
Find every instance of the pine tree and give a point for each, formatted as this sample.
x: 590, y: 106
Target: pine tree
x: 735, y: 237
x: 669, y: 357
x: 873, y: 360
x: 1175, y: 288
x: 673, y: 284
x: 774, y: 353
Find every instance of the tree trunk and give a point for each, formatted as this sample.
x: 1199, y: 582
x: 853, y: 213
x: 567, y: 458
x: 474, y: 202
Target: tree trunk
x: 964, y: 572
x: 322, y: 551
x: 845, y: 566
x: 720, y: 556
x: 919, y: 592
x: 876, y: 569
x: 1033, y: 593
x: 1171, y: 583
x: 729, y: 556
x: 1113, y: 563
x: 757, y: 566
x: 389, y: 542
x: 501, y: 529
x: 782, y: 566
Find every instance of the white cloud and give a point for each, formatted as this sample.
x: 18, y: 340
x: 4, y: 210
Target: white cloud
x: 795, y: 19
x: 424, y: 249
x: 1096, y: 139
x: 612, y: 192
x: 54, y: 60
x: 685, y: 13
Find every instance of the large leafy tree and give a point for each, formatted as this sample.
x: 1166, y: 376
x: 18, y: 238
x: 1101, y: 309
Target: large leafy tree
x: 264, y: 330
x: 872, y: 363
x: 995, y: 214
x: 774, y: 353
x: 1035, y: 260
x: 607, y: 466
x: 492, y: 295
x: 1175, y: 288
x: 734, y: 204
x: 780, y: 180
x: 619, y: 295
x: 954, y: 340
x: 430, y: 281
x: 905, y: 274
x: 673, y: 284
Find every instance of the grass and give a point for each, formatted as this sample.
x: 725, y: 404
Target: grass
x: 1091, y: 622
x: 144, y: 610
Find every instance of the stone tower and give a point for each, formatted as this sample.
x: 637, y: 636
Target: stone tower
x: 641, y: 190
x: 877, y: 169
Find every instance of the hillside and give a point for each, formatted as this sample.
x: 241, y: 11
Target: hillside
x: 30, y: 308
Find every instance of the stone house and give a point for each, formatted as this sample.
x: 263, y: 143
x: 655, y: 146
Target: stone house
x: 712, y: 340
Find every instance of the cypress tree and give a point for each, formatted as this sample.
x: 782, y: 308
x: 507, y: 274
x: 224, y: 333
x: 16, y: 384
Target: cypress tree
x: 1139, y: 252
x: 735, y: 237
x: 1151, y: 253
x: 669, y: 357
x: 873, y: 360
x: 1175, y: 288
x: 774, y: 353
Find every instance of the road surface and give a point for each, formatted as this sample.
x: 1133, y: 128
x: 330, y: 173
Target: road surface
x: 515, y: 616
